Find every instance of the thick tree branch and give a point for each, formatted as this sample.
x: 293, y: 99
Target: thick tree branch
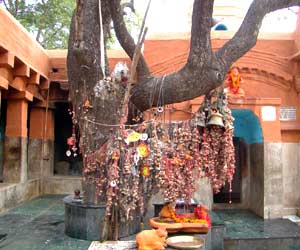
x: 125, y: 38
x: 186, y: 84
x: 201, y: 73
x: 200, y: 33
x: 246, y: 37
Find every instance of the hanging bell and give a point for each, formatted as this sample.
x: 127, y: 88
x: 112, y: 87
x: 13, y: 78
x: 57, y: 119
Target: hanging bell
x: 215, y: 119
x: 200, y: 122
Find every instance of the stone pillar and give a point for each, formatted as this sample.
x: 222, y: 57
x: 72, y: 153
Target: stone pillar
x: 273, y: 166
x: 15, y: 145
x: 273, y: 181
x: 256, y: 196
x: 41, y: 142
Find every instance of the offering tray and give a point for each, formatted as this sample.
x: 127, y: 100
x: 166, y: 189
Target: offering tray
x: 173, y: 227
x: 185, y: 242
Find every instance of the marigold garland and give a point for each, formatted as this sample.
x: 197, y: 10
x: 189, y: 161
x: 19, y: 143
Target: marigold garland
x: 177, y: 219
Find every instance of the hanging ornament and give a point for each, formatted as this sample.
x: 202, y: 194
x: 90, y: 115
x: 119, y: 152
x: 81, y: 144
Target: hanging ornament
x: 143, y: 150
x: 115, y: 155
x: 68, y: 153
x: 133, y: 137
x: 87, y: 104
x: 144, y: 137
x: 146, y: 171
x: 200, y: 119
x: 133, y: 170
x: 136, y: 158
x: 160, y: 109
x: 113, y: 184
x: 71, y: 141
x: 98, y: 88
x: 188, y: 157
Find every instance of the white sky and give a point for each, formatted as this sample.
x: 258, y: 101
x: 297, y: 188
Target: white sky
x: 174, y: 16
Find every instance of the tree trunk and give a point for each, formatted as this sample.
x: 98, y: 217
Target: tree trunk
x: 84, y: 72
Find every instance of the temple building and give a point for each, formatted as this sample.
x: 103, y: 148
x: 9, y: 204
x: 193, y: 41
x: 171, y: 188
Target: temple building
x: 35, y: 122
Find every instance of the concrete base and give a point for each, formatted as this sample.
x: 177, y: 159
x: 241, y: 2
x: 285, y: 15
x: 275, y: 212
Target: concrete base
x: 13, y: 194
x: 85, y: 222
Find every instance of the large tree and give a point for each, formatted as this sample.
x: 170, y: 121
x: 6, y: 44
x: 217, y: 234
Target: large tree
x: 203, y: 71
x: 47, y: 20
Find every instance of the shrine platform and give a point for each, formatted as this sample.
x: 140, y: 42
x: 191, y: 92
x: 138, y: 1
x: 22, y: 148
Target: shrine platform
x: 39, y: 224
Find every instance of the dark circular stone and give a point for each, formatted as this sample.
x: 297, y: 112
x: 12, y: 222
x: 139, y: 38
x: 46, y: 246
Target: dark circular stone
x: 84, y: 221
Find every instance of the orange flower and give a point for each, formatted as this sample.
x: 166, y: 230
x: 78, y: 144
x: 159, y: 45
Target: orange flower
x: 175, y: 218
x: 143, y: 150
x: 87, y: 104
x: 146, y: 171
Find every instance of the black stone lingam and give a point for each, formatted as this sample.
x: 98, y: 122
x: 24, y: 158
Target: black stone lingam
x: 84, y: 221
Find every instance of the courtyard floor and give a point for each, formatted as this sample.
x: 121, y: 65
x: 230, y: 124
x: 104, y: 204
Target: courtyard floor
x: 36, y: 225
x: 39, y: 224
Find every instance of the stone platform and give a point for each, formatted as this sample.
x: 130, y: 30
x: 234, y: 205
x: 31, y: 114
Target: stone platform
x: 39, y: 224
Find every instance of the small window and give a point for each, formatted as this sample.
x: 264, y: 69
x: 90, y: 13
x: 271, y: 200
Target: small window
x: 288, y: 113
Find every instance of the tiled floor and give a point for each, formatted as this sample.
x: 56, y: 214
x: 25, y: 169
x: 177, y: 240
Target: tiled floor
x: 242, y: 224
x: 39, y: 224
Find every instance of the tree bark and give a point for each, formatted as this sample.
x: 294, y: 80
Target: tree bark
x: 125, y: 38
x: 84, y: 74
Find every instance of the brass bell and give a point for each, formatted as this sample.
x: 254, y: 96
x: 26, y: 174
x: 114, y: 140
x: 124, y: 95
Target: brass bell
x: 200, y: 122
x: 215, y: 119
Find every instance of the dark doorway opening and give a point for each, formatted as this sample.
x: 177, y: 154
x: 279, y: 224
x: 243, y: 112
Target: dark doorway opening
x: 64, y: 164
x: 224, y: 196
